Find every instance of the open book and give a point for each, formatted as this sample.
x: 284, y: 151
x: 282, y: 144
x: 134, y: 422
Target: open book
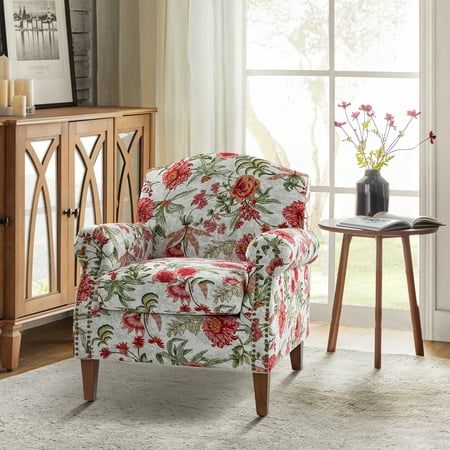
x: 385, y: 221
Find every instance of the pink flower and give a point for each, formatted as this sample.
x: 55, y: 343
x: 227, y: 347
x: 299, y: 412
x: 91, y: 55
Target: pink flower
x: 209, y: 225
x: 177, y: 174
x: 133, y: 323
x: 274, y: 263
x: 99, y: 237
x: 281, y: 318
x: 158, y: 341
x: 138, y: 341
x: 227, y: 155
x: 344, y: 105
x: 203, y: 308
x: 242, y: 245
x: 221, y: 228
x: 244, y: 187
x: 145, y: 210
x: 184, y: 309
x: 164, y: 276
x: 389, y: 119
x: 431, y: 137
x: 256, y: 330
x: 104, y: 352
x: 215, y: 187
x: 122, y: 347
x: 339, y: 124
x: 366, y: 108
x: 178, y: 292
x: 231, y: 281
x: 85, y: 288
x: 355, y: 115
x: 220, y: 330
x: 295, y: 214
x: 185, y: 272
x: 175, y: 251
x: 248, y: 213
x: 412, y: 113
x: 200, y: 199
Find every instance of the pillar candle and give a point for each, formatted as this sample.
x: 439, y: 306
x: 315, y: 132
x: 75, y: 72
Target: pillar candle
x: 11, y: 92
x: 4, y: 94
x: 5, y: 68
x: 18, y: 87
x: 28, y: 91
x: 19, y: 105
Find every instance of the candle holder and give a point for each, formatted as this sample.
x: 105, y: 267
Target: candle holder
x: 6, y: 111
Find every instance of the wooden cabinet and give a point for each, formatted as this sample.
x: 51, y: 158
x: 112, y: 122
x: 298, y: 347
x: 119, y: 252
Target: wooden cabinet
x: 61, y: 170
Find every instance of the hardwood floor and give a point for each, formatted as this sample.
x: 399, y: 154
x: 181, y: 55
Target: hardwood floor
x: 53, y: 342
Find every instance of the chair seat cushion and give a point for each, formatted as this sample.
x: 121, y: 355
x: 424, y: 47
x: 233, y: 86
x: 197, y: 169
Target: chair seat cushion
x: 176, y: 286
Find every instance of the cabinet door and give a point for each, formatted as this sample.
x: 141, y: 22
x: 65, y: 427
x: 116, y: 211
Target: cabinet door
x: 91, y: 173
x: 132, y: 160
x: 38, y: 229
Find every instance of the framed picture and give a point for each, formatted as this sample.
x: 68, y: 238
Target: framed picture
x: 36, y: 36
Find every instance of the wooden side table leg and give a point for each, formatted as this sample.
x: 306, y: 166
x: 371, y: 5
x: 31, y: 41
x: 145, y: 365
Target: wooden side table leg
x: 378, y: 300
x: 10, y: 339
x: 414, y: 309
x: 339, y: 293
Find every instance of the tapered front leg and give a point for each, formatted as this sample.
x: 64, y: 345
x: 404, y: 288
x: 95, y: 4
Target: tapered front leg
x: 297, y: 357
x: 10, y: 339
x: 89, y: 371
x: 261, y: 385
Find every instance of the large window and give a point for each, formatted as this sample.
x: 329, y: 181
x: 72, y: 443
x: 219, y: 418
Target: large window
x: 305, y: 56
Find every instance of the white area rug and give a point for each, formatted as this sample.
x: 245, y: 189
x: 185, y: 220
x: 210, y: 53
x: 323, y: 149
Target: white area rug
x: 337, y: 401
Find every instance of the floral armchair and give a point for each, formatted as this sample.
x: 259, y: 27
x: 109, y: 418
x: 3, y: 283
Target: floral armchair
x: 214, y: 273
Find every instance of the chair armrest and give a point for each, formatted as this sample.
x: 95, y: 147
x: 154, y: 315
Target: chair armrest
x: 103, y: 248
x: 275, y: 251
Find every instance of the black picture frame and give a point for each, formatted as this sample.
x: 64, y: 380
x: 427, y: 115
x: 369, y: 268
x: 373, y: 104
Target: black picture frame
x: 4, y: 51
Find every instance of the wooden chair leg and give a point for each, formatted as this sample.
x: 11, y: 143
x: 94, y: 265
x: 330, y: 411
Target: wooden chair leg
x: 261, y: 385
x: 89, y: 371
x: 297, y: 357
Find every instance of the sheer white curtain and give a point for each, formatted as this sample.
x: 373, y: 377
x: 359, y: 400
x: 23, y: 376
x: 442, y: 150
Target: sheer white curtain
x: 199, y: 77
x: 186, y: 58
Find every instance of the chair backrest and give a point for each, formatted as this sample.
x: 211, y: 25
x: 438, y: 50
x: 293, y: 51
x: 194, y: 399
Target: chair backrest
x: 213, y: 205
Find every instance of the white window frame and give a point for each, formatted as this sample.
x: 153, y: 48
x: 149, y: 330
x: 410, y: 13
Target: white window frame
x: 426, y: 194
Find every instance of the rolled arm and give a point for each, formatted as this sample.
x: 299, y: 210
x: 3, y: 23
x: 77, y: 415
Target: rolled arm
x: 103, y: 248
x: 275, y: 251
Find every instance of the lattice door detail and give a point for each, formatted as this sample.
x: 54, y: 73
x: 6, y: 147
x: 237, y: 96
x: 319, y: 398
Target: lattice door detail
x: 42, y: 203
x: 89, y: 178
x: 128, y: 174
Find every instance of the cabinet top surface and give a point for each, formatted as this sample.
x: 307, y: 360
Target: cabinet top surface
x: 72, y: 113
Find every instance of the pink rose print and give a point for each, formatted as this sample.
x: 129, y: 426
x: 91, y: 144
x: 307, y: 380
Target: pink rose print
x: 295, y: 214
x: 178, y: 292
x: 164, y: 276
x: 104, y: 352
x: 200, y: 200
x: 123, y: 348
x: 221, y: 331
x: 85, y: 288
x: 185, y: 272
x: 244, y: 187
x: 242, y: 245
x: 133, y: 323
x: 145, y: 210
x: 177, y: 174
x: 138, y: 341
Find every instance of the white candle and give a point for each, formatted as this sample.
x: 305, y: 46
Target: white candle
x: 5, y: 68
x: 11, y: 92
x: 28, y: 91
x: 4, y: 93
x: 18, y: 87
x: 19, y: 105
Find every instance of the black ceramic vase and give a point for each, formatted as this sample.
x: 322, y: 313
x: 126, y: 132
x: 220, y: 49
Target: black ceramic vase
x: 372, y: 194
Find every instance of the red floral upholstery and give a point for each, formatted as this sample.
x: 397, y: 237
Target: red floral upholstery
x: 215, y: 273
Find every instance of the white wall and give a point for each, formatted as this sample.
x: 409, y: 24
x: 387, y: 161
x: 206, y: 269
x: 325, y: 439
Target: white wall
x: 442, y: 148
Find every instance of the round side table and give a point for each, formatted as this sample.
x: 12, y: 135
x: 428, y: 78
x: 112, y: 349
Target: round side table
x: 348, y: 233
